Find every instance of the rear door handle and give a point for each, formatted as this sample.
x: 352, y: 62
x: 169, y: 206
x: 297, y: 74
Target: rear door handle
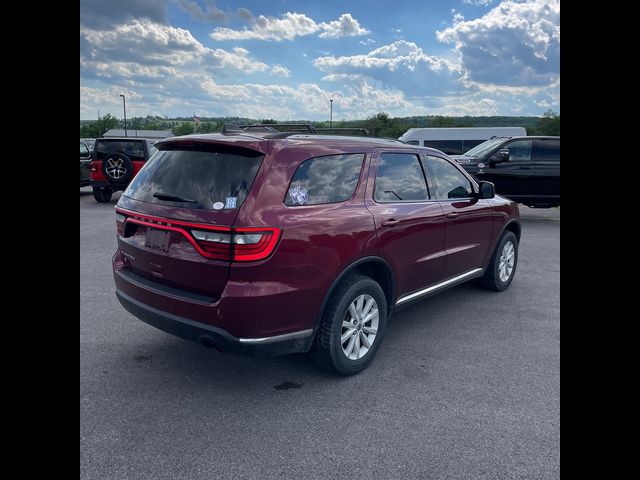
x: 452, y: 215
x: 390, y: 223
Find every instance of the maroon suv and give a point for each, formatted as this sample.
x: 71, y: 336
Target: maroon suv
x: 276, y: 243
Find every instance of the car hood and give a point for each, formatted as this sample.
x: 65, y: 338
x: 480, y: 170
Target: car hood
x: 463, y: 159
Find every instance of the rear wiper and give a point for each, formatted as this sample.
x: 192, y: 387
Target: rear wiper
x: 173, y: 198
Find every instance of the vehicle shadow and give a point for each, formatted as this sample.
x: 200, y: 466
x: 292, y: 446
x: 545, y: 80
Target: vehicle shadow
x: 176, y: 364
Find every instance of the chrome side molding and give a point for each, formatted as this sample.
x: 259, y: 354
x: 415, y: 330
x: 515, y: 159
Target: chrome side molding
x: 437, y: 286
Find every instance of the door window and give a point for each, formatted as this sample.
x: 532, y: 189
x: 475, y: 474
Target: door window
x: 549, y: 150
x: 449, y: 181
x: 400, y: 178
x: 520, y: 150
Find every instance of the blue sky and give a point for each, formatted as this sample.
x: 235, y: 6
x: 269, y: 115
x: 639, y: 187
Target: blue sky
x: 285, y: 59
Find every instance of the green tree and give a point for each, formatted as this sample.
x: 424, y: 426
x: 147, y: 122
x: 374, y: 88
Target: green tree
x: 549, y: 124
x: 184, y: 128
x: 98, y: 128
x: 440, y: 121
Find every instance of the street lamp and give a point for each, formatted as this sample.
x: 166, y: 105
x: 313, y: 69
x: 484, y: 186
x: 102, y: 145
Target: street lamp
x: 331, y: 117
x: 124, y: 106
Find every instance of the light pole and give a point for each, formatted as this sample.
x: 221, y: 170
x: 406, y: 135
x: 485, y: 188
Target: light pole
x: 124, y: 107
x: 331, y: 117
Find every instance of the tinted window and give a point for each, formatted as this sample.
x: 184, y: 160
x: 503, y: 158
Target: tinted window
x: 207, y: 178
x: 400, y: 177
x: 481, y: 150
x: 450, y: 147
x: 469, y: 144
x: 329, y: 179
x: 84, y: 151
x: 520, y: 150
x: 413, y: 142
x: 449, y: 181
x: 549, y: 150
x: 134, y: 149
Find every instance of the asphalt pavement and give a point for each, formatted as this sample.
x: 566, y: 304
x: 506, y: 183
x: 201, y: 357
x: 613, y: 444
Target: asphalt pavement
x: 465, y: 385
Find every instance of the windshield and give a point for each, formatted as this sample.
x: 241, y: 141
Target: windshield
x: 196, y: 179
x: 480, y: 151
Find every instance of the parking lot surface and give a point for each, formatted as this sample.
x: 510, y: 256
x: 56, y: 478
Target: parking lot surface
x: 465, y: 385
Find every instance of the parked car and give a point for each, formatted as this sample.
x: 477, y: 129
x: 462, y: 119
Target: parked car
x: 273, y: 243
x: 115, y: 161
x: 85, y: 162
x: 524, y: 169
x: 90, y: 142
x: 456, y: 140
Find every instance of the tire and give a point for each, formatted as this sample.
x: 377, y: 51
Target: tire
x: 492, y: 278
x: 102, y: 194
x: 117, y: 168
x: 328, y: 351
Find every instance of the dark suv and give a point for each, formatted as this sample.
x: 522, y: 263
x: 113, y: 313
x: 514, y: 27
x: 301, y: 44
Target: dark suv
x: 115, y: 161
x: 276, y: 243
x: 524, y: 169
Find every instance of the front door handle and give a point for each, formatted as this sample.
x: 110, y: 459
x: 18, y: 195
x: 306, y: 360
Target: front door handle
x: 452, y: 214
x: 390, y: 223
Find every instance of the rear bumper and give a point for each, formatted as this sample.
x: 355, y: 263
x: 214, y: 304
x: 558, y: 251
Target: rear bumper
x: 210, y: 336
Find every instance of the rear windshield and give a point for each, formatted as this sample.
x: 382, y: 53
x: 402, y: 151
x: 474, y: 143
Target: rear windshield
x: 134, y: 149
x: 196, y: 179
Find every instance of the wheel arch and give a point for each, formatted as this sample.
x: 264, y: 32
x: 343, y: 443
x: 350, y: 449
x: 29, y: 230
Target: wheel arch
x: 374, y: 267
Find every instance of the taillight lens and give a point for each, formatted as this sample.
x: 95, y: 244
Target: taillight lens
x: 228, y: 244
x: 251, y: 244
x: 120, y: 223
x: 238, y: 244
x: 216, y: 243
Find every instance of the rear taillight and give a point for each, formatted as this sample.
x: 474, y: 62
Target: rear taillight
x: 238, y: 244
x: 250, y: 244
x: 229, y: 244
x: 216, y: 243
x: 120, y: 223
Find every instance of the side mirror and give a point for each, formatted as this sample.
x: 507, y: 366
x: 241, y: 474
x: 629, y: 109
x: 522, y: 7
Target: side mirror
x: 486, y: 190
x: 501, y: 155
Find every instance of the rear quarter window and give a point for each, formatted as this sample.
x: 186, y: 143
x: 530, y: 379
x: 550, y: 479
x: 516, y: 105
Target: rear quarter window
x: 327, y: 179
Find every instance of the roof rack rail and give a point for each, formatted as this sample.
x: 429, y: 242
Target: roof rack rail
x: 366, y: 131
x: 229, y: 128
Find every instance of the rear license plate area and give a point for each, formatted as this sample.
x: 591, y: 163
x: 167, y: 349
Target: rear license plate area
x: 157, y: 239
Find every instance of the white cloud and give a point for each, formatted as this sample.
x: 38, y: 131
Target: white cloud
x: 289, y: 26
x: 457, y: 17
x: 280, y: 71
x: 212, y: 12
x: 345, y: 26
x: 400, y: 64
x: 205, y: 95
x: 145, y: 50
x: 339, y: 77
x: 482, y: 3
x: 516, y: 44
x: 367, y: 42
